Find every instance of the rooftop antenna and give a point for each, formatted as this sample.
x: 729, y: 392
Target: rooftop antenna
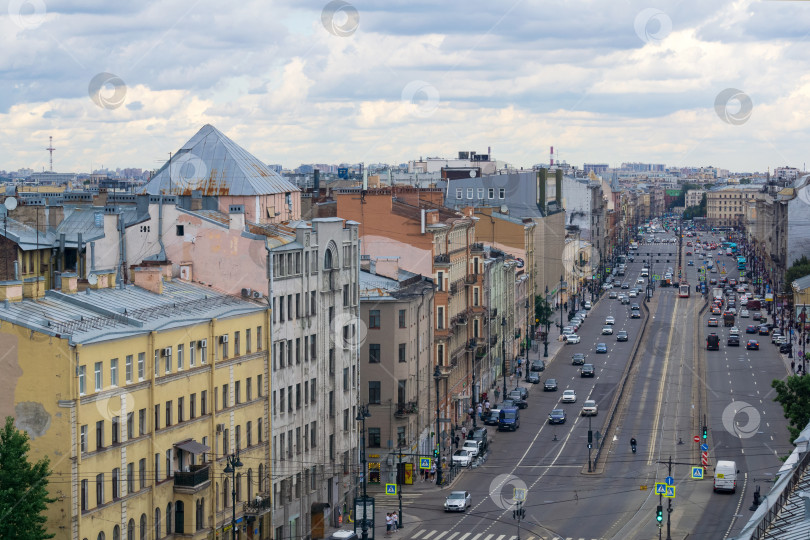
x: 50, y: 150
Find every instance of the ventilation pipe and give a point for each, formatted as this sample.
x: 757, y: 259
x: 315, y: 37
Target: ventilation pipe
x: 92, y: 256
x: 365, y: 179
x: 162, y: 255
x: 16, y: 270
x: 79, y: 247
x: 316, y: 182
x: 122, y: 251
x: 559, y: 178
x: 423, y: 220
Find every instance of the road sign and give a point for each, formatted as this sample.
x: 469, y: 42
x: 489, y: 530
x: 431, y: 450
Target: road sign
x: 697, y: 473
x: 697, y: 438
x: 660, y: 488
x: 519, y: 494
x: 390, y: 489
x: 669, y: 481
x: 424, y: 462
x: 704, y: 447
x: 670, y: 492
x: 704, y: 459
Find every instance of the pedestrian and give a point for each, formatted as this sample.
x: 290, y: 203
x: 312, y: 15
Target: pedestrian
x: 396, y: 520
x: 388, y: 523
x: 433, y: 471
x: 480, y: 410
x: 464, y: 431
x: 793, y: 366
x: 486, y: 405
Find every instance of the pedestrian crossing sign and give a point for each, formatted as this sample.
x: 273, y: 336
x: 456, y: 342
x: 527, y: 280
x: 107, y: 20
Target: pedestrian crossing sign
x: 660, y: 488
x: 520, y: 494
x: 390, y: 489
x: 424, y: 462
x: 697, y: 473
x: 670, y: 492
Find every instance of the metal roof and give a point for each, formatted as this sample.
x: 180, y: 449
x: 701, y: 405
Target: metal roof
x: 26, y: 236
x: 802, y: 283
x: 107, y: 314
x: 214, y: 164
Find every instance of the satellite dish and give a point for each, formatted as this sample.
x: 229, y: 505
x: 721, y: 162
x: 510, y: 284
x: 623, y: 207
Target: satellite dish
x: 92, y: 279
x: 504, y: 209
x: 11, y: 203
x: 472, y: 174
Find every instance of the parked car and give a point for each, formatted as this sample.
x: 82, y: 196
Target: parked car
x: 587, y: 304
x: 622, y: 335
x: 550, y: 385
x: 534, y: 378
x: 569, y: 396
x: 524, y: 392
x: 752, y: 345
x: 480, y: 434
x: 572, y: 338
x: 589, y: 408
x: 520, y: 402
x: 557, y: 416
x: 538, y: 365
x: 457, y: 501
x: 586, y: 370
x: 473, y: 447
x: 462, y: 458
x: 785, y: 348
x: 578, y: 359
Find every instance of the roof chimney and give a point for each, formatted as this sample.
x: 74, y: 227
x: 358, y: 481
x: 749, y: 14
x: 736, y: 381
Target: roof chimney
x: 237, y: 215
x: 149, y: 278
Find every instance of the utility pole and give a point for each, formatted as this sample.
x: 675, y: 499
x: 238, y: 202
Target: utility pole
x: 519, y: 513
x: 400, y: 472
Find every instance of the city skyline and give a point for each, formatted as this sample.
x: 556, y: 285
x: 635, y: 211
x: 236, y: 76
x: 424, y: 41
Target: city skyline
x: 371, y: 82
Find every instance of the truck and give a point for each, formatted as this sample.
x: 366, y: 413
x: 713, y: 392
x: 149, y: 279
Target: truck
x: 728, y: 319
x: 717, y: 294
x: 753, y: 305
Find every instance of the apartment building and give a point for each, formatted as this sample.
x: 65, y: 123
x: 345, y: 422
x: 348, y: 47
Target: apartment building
x: 726, y: 207
x: 693, y: 197
x: 138, y: 394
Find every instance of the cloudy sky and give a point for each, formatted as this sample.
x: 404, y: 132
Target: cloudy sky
x: 122, y: 84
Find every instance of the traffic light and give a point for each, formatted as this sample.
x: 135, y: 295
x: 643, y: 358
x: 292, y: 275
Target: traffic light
x: 659, y: 514
x: 436, y: 453
x: 705, y: 432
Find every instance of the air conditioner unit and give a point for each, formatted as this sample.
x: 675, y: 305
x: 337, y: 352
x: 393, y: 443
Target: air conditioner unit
x: 246, y: 292
x: 223, y: 338
x: 203, y: 343
x: 167, y: 351
x: 257, y: 294
x: 220, y: 428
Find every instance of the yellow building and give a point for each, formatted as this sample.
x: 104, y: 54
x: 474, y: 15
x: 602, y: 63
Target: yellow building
x: 138, y: 395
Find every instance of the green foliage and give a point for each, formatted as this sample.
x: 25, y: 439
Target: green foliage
x: 794, y: 396
x: 23, y: 488
x: 542, y: 310
x: 745, y: 180
x: 800, y: 268
x: 696, y: 211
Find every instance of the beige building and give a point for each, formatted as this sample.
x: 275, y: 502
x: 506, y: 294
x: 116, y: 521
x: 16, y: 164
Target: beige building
x: 726, y: 207
x: 693, y: 197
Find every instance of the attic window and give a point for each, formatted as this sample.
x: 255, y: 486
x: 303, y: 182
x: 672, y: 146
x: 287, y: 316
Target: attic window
x: 180, y: 230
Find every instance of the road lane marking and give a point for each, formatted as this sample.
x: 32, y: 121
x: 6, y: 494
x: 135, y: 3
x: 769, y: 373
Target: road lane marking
x: 428, y: 535
x: 417, y: 535
x: 440, y: 535
x: 660, y: 404
x: 463, y: 536
x: 452, y: 535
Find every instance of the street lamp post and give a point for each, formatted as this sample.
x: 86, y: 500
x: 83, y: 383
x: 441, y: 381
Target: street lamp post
x: 437, y: 375
x: 233, y: 463
x: 559, y: 294
x: 528, y: 338
x: 546, y: 314
x: 362, y: 414
x: 473, y: 395
x: 503, y: 354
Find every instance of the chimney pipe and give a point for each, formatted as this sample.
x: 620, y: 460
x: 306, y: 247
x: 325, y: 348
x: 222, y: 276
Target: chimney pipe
x: 316, y: 182
x: 16, y: 271
x: 79, y: 246
x: 92, y: 255
x: 365, y: 179
x: 423, y: 220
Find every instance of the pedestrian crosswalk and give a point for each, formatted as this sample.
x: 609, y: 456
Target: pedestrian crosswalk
x: 425, y: 534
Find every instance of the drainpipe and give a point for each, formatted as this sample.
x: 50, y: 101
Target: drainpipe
x: 79, y: 246
x: 122, y: 251
x: 16, y: 270
x: 160, y: 229
x: 92, y: 256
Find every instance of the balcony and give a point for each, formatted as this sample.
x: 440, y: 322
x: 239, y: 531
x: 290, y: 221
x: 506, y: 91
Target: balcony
x: 259, y: 505
x: 453, y: 288
x: 471, y: 279
x: 194, y: 480
x: 441, y: 259
x: 404, y: 409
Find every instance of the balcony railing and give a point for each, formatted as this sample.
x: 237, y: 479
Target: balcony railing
x: 194, y: 478
x: 404, y: 409
x: 258, y: 505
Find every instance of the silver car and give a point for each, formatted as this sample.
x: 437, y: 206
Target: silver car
x: 457, y: 501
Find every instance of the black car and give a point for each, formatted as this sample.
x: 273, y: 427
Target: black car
x: 635, y: 314
x: 550, y: 385
x: 578, y: 359
x: 480, y: 435
x: 517, y: 399
x: 733, y: 341
x: 622, y: 335
x: 534, y: 378
x: 764, y: 330
x: 538, y: 365
x: 785, y: 348
x: 587, y: 371
x: 524, y: 392
x: 557, y: 416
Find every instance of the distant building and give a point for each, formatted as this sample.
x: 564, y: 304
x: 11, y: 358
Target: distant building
x: 52, y: 178
x: 596, y: 168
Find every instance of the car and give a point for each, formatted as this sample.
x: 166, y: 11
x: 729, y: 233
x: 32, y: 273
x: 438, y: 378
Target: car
x: 633, y: 293
x: 589, y: 408
x: 557, y: 416
x: 713, y: 321
x: 462, y: 458
x: 569, y: 396
x: 601, y: 348
x: 538, y: 365
x: 587, y: 304
x: 635, y: 306
x: 690, y: 263
x: 607, y: 330
x: 780, y: 340
x: 757, y: 316
x: 568, y: 330
x: 550, y: 385
x: 587, y: 370
x: 607, y: 286
x: 625, y: 285
x: 507, y: 404
x: 734, y: 330
x: 572, y: 338
x: 752, y: 345
x: 533, y: 378
x: 480, y: 434
x: 578, y: 359
x: 471, y: 446
x: 624, y: 300
x: 751, y: 329
x: 517, y: 400
x: 457, y: 501
x: 764, y: 330
x: 524, y: 392
x: 635, y: 314
x: 785, y: 348
x: 613, y: 295
x: 494, y: 413
x: 733, y: 340
x: 640, y: 281
x: 610, y: 319
x: 622, y: 335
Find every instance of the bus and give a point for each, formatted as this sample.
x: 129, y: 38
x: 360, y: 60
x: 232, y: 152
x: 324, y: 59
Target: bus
x: 740, y: 263
x: 730, y: 245
x: 683, y: 290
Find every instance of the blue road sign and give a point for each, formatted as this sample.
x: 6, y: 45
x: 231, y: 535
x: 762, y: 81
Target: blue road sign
x: 697, y: 473
x: 669, y: 480
x: 670, y: 492
x: 704, y: 447
x: 660, y: 488
x: 424, y: 462
x: 390, y: 489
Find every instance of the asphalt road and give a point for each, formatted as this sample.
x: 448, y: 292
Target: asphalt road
x: 618, y: 501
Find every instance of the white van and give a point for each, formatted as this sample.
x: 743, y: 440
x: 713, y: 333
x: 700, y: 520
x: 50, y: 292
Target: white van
x: 725, y: 476
x: 645, y: 272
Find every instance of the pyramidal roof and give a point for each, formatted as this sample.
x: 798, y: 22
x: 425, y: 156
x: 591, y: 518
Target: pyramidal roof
x: 215, y: 165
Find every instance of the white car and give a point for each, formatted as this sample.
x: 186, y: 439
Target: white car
x: 734, y: 331
x: 572, y: 338
x: 462, y: 458
x: 607, y: 330
x: 569, y: 396
x: 744, y: 314
x: 633, y: 293
x: 640, y: 281
x: 457, y: 501
x: 610, y: 320
x: 587, y: 304
x: 589, y: 408
x: 471, y: 446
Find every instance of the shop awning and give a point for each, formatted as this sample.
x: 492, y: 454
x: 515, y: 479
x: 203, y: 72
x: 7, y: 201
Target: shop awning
x: 192, y: 447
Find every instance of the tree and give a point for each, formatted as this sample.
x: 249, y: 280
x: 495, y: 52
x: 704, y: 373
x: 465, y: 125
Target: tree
x: 23, y: 488
x: 794, y: 396
x: 542, y: 310
x: 800, y: 268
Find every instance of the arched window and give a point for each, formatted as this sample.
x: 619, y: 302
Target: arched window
x: 250, y: 485
x: 157, y: 523
x: 198, y: 517
x: 179, y: 517
x: 238, y: 486
x: 116, y: 533
x: 226, y: 494
x: 101, y: 535
x: 143, y: 527
x: 131, y: 530
x: 260, y: 479
x: 328, y: 260
x: 169, y: 518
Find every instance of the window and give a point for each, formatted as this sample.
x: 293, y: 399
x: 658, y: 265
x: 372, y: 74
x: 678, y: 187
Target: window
x: 225, y: 396
x: 440, y: 355
x: 281, y: 400
x: 312, y: 348
x: 491, y: 193
x: 82, y: 380
x: 249, y: 433
x: 238, y: 437
x: 204, y: 402
x: 259, y: 385
x: 180, y: 230
x: 402, y: 356
x: 459, y: 193
x: 83, y: 439
x: 374, y: 353
x: 470, y: 193
x: 141, y: 361
x: 99, y: 434
x: 169, y: 463
x: 116, y: 483
x: 298, y: 395
x: 203, y: 351
x: 374, y: 392
x: 157, y: 469
x: 99, y: 489
x: 374, y: 318
x: 97, y: 371
x: 401, y: 436
x: 85, y: 495
x: 259, y: 434
x: 345, y: 379
x: 180, y: 411
x: 440, y: 281
x: 168, y: 413
x: 192, y: 354
x: 480, y: 193
x: 373, y: 437
x: 476, y: 294
x: 312, y: 383
x: 247, y: 340
x: 306, y: 393
x: 402, y: 318
x: 401, y: 394
x: 281, y: 447
x: 128, y: 369
x: 142, y: 422
x: 236, y: 344
x: 180, y: 359
x: 297, y: 350
x: 501, y: 193
x: 290, y: 398
x: 130, y: 425
x: 168, y: 366
x: 237, y: 390
x: 345, y: 419
x: 440, y: 318
x: 313, y: 439
x: 142, y: 473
